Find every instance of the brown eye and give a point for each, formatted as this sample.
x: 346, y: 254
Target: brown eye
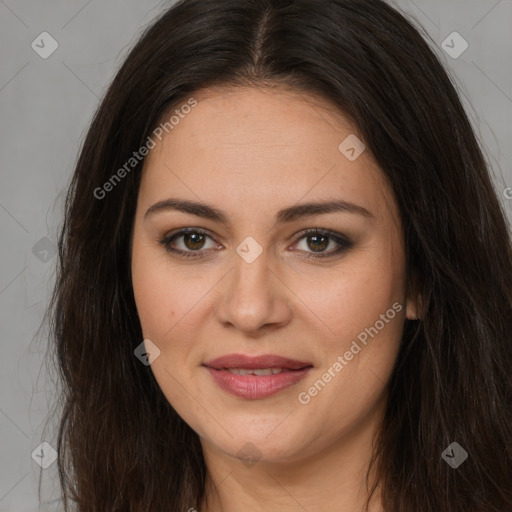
x: 193, y: 241
x: 188, y: 242
x: 318, y: 242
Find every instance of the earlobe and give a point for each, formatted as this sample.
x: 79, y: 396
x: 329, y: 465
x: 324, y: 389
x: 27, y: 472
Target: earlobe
x: 410, y: 314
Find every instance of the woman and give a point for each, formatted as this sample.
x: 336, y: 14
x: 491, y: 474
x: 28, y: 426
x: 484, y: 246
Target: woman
x: 285, y: 277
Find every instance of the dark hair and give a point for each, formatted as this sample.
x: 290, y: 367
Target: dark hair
x: 452, y: 380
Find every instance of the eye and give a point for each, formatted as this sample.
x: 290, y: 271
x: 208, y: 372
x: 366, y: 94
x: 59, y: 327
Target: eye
x: 190, y: 241
x: 317, y: 241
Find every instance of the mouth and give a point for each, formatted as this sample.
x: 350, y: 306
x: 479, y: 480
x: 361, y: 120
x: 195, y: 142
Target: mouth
x: 261, y: 372
x: 258, y: 377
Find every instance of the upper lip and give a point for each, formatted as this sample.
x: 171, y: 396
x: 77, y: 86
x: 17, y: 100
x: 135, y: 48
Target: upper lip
x: 243, y: 361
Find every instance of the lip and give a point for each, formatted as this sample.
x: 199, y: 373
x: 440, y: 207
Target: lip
x: 254, y: 387
x: 254, y: 362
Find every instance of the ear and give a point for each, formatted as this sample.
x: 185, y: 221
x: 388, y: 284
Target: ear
x: 413, y: 300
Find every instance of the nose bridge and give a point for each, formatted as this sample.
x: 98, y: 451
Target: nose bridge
x: 253, y: 297
x: 250, y: 279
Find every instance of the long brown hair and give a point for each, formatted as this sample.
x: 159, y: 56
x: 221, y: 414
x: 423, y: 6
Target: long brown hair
x: 121, y: 444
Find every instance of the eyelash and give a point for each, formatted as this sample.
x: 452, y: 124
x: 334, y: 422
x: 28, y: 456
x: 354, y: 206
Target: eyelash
x: 344, y: 243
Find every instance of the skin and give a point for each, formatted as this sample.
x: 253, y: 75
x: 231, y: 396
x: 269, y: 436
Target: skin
x: 251, y: 152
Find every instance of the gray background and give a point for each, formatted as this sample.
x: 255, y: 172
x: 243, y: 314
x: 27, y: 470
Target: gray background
x: 46, y: 105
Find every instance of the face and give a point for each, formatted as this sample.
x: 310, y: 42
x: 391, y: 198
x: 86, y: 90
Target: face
x: 232, y: 260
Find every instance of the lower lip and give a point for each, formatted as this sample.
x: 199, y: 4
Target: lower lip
x: 254, y: 387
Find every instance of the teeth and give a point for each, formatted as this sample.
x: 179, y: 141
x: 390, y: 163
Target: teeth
x: 260, y: 372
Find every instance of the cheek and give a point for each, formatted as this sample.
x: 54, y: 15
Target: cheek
x: 151, y: 297
x: 163, y: 296
x: 359, y: 358
x: 347, y: 300
x: 364, y: 307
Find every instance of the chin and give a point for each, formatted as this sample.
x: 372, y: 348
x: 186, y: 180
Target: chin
x: 252, y: 443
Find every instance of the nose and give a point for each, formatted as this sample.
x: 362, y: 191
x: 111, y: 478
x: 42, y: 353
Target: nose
x: 254, y: 298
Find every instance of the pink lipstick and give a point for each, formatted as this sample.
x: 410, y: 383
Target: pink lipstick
x: 256, y: 377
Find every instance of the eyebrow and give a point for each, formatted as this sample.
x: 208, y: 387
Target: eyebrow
x: 288, y: 214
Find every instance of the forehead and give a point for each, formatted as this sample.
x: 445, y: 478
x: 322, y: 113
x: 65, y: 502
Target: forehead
x: 243, y: 146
